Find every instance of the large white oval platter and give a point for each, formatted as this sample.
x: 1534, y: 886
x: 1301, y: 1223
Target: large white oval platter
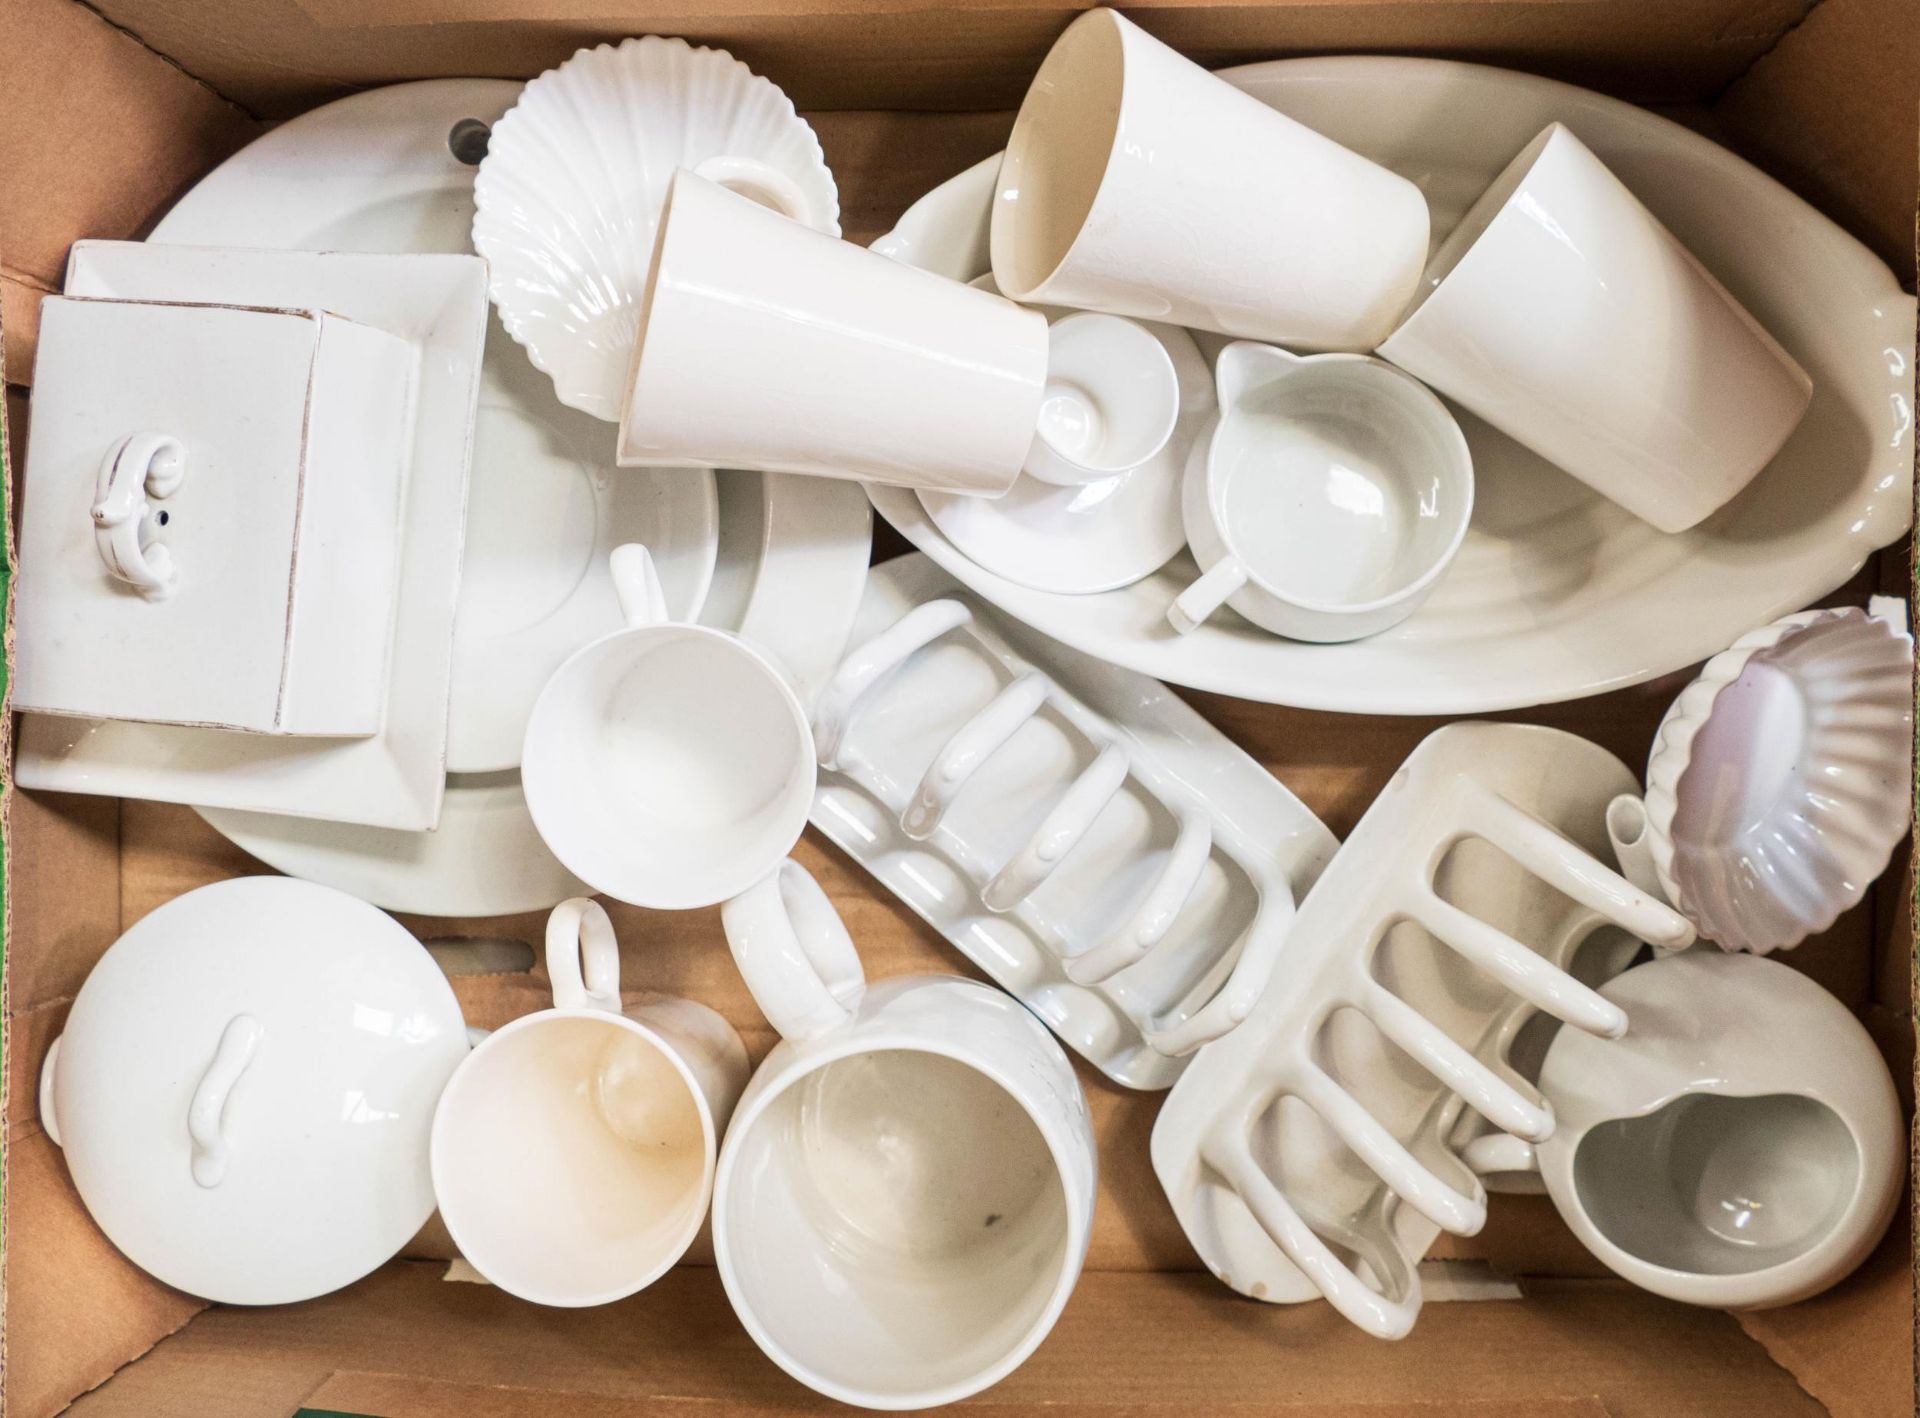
x: 1557, y: 593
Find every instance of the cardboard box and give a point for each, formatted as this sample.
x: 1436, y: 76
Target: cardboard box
x: 109, y: 108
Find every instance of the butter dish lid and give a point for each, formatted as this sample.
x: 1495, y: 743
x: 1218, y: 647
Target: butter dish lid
x: 245, y: 1088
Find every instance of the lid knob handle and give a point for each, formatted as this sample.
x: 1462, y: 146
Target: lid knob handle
x: 140, y: 469
x: 206, y: 1113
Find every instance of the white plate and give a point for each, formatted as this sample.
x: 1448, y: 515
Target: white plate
x: 1267, y: 847
x: 1556, y: 593
x: 377, y: 170
x: 1099, y: 536
x: 396, y: 777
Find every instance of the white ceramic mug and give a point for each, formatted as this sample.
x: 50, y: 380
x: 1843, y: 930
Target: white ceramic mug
x: 765, y: 344
x: 1334, y: 493
x: 1111, y: 402
x: 1741, y: 1146
x: 1563, y: 313
x: 667, y: 765
x: 573, y: 1150
x: 905, y: 1194
x: 1137, y: 183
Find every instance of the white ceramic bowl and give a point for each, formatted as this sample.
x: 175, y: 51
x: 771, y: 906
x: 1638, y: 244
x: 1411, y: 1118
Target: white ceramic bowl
x: 1780, y: 778
x: 569, y: 194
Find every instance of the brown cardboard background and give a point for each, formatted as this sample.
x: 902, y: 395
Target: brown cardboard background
x: 97, y: 129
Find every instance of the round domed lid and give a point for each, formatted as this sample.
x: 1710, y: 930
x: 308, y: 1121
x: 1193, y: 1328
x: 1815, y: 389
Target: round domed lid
x: 246, y: 1085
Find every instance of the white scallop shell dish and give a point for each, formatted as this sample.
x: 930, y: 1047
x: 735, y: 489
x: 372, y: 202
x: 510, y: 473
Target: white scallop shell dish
x: 569, y: 194
x: 1780, y: 780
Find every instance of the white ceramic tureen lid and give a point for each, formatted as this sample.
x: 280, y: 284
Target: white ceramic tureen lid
x: 245, y: 1089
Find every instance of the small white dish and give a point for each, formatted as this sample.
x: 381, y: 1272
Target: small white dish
x: 245, y: 1088
x: 569, y: 194
x: 1781, y: 778
x: 1110, y: 402
x: 1335, y: 492
x: 1741, y: 1147
x: 955, y: 739
x: 397, y: 777
x: 1080, y: 540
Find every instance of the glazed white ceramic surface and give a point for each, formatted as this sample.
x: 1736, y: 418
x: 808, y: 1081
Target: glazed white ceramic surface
x: 793, y: 559
x: 765, y: 344
x: 906, y: 1191
x: 1556, y: 592
x: 573, y: 1150
x: 545, y: 503
x: 1311, y: 1151
x: 1562, y: 312
x: 954, y: 742
x: 1138, y: 183
x: 245, y: 1087
x: 1742, y: 1147
x: 375, y: 172
x: 568, y: 197
x: 1782, y: 778
x: 395, y: 778
x: 1081, y: 540
x: 667, y: 765
x: 1111, y: 399
x: 212, y: 502
x: 1335, y: 492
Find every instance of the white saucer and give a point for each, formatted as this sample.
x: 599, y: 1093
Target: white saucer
x: 1100, y: 536
x: 545, y: 506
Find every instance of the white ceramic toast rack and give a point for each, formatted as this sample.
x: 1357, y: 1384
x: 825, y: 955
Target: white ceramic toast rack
x: 1079, y: 833
x: 1308, y: 1152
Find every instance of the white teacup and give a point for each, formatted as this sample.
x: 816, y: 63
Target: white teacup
x: 1740, y: 1147
x: 1111, y: 401
x: 667, y: 765
x: 1335, y: 492
x: 905, y: 1193
x: 766, y: 344
x: 1562, y: 312
x: 573, y: 1150
x: 1137, y: 183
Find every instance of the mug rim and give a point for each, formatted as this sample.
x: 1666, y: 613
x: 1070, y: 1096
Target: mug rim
x: 542, y: 809
x: 816, y: 1054
x: 1459, y: 451
x: 709, y: 1134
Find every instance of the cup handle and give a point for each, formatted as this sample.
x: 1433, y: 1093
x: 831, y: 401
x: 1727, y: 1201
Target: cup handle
x: 212, y: 1153
x: 1206, y: 595
x: 794, y: 952
x: 866, y: 665
x: 49, y: 1120
x: 643, y: 601
x: 763, y: 183
x: 583, y: 956
x: 1496, y: 1155
x: 1631, y: 832
x: 137, y: 469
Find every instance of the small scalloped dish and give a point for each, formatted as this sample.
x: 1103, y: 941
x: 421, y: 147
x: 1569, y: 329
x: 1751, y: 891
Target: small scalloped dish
x: 568, y: 198
x: 1781, y: 777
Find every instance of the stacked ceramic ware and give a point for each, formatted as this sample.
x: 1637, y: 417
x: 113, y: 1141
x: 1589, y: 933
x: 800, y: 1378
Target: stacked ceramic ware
x: 1195, y: 383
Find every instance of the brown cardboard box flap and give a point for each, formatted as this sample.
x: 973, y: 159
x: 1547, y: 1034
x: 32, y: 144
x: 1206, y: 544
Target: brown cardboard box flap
x: 350, y: 1394
x: 1128, y: 1346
